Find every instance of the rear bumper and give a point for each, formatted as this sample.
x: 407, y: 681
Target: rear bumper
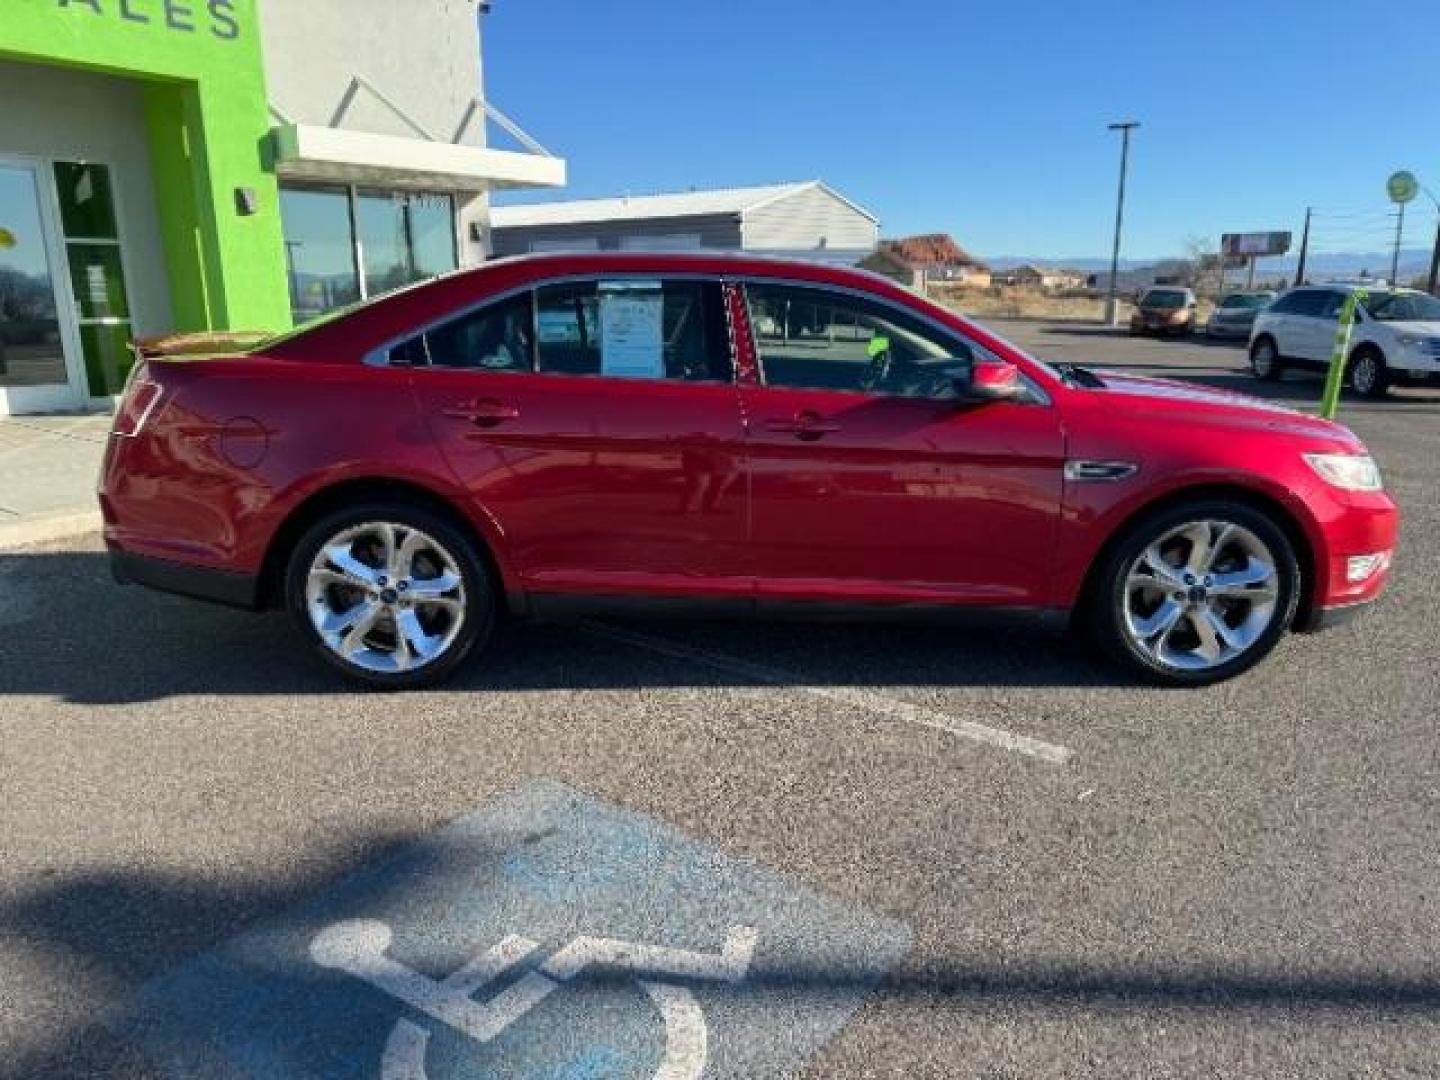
x: 197, y: 582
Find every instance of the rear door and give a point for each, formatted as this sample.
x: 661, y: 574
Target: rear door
x: 597, y: 422
x: 871, y: 479
x: 1310, y: 332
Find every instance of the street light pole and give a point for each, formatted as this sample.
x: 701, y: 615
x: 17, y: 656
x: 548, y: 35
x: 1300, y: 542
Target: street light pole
x: 1112, y: 309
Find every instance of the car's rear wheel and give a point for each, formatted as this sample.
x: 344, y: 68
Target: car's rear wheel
x: 390, y: 594
x: 1369, y: 377
x: 1197, y: 593
x: 1265, y: 360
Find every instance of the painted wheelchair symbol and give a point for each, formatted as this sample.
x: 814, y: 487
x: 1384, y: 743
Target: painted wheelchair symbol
x: 358, y: 947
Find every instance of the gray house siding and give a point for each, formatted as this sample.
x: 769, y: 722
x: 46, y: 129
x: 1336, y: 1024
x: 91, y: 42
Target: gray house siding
x: 809, y: 221
x: 716, y: 231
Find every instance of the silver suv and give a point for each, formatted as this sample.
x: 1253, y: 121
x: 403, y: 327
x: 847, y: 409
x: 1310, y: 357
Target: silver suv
x: 1396, y: 337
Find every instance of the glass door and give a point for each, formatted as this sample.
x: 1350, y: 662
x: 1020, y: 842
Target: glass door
x: 37, y: 370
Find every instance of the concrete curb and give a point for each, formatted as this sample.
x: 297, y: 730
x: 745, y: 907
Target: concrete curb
x: 44, y: 529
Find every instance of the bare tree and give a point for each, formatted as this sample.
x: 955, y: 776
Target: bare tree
x: 1204, y: 265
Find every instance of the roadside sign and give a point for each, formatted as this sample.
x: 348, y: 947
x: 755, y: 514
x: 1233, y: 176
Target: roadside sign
x: 1402, y: 187
x: 546, y: 935
x: 1256, y: 244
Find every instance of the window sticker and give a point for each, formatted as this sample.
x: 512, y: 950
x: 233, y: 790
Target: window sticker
x: 631, y: 330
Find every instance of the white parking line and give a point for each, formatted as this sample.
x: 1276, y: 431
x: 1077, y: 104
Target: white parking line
x: 865, y: 700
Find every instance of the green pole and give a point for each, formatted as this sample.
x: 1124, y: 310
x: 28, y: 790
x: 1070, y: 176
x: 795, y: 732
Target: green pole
x: 1336, y: 378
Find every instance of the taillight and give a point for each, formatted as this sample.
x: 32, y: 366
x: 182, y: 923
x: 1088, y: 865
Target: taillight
x: 139, y: 400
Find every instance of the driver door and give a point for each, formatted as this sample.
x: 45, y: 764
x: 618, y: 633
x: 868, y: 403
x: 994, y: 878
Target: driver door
x: 871, y: 478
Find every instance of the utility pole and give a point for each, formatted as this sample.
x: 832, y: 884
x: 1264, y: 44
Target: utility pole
x: 1304, y: 248
x: 1434, y: 263
x: 1395, y: 256
x: 1112, y: 309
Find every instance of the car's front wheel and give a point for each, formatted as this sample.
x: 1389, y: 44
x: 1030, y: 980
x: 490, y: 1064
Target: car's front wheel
x: 1197, y: 593
x: 1265, y: 359
x: 390, y: 594
x: 1369, y: 377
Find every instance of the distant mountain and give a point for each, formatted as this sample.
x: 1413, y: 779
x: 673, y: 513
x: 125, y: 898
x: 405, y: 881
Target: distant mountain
x: 1414, y: 263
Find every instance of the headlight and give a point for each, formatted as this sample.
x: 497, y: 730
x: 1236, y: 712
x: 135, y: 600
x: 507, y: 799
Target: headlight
x: 1353, y: 472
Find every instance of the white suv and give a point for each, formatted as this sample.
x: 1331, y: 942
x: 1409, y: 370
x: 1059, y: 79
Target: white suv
x: 1396, y: 338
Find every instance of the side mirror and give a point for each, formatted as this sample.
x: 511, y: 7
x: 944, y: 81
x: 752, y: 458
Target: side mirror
x: 993, y: 380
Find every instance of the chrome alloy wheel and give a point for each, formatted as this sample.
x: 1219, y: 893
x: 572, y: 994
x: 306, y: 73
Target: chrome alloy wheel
x: 1365, y: 374
x: 1263, y: 358
x: 1201, y: 595
x: 385, y: 597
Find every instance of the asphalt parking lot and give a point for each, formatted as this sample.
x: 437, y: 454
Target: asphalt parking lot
x: 786, y: 849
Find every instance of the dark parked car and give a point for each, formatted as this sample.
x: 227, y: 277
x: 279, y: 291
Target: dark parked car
x: 1235, y: 314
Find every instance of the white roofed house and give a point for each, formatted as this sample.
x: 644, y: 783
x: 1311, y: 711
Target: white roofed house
x: 808, y: 220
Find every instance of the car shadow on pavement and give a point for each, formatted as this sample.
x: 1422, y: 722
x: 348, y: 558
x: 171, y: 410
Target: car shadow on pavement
x: 102, y: 935
x: 74, y: 633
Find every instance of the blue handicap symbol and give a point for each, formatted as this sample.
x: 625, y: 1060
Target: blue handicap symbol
x: 547, y: 934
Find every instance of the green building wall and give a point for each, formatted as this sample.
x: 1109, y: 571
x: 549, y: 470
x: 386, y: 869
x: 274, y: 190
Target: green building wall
x: 208, y: 124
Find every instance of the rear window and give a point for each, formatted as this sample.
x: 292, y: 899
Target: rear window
x: 635, y: 329
x: 1245, y: 301
x: 622, y: 328
x: 1309, y: 302
x: 1164, y: 298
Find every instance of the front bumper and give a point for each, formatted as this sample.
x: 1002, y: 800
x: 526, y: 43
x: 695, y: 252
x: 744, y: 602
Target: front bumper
x: 1228, y: 330
x: 1327, y: 618
x: 1160, y: 326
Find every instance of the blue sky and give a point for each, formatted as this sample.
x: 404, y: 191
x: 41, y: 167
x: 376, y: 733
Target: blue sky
x: 988, y: 120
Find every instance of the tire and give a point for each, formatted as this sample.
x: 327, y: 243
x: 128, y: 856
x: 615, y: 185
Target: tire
x: 1265, y: 362
x: 1369, y: 374
x: 1254, y: 613
x: 431, y: 553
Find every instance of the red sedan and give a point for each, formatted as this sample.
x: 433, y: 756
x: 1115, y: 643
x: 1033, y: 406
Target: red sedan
x: 688, y: 431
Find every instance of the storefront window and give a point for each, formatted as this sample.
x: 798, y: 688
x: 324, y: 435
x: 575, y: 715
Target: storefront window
x: 384, y: 246
x: 87, y: 207
x: 345, y: 244
x: 97, y: 274
x: 321, y: 250
x: 432, y: 232
x: 30, y: 350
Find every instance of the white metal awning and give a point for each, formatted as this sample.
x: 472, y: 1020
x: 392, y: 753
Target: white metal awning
x: 338, y: 155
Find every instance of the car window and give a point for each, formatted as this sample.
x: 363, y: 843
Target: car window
x: 637, y: 329
x: 818, y: 340
x: 1162, y: 299
x: 496, y: 337
x: 1403, y: 307
x: 1245, y: 301
x: 1330, y: 304
x: 1309, y: 302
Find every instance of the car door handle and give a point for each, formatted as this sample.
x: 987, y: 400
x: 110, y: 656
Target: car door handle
x: 804, y: 425
x: 487, y: 412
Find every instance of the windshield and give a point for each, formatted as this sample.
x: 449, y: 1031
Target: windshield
x: 1403, y: 307
x: 1164, y: 298
x: 1247, y: 301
